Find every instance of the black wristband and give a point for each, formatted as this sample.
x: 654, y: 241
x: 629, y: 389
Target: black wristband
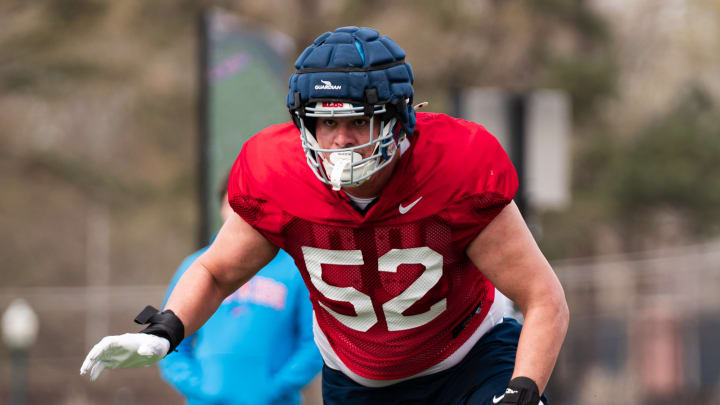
x: 164, y: 324
x: 521, y: 391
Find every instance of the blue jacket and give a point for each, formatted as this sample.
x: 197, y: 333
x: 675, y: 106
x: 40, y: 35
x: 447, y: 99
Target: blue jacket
x: 256, y: 349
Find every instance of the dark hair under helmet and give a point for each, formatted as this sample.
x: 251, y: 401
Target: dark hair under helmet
x: 358, y: 65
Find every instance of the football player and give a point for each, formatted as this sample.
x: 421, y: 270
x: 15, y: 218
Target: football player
x: 404, y: 230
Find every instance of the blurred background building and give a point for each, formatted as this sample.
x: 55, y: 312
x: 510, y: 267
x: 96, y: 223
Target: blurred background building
x: 99, y: 152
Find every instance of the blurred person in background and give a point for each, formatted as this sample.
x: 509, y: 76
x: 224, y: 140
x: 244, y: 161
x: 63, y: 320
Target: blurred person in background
x: 404, y: 228
x: 257, y: 349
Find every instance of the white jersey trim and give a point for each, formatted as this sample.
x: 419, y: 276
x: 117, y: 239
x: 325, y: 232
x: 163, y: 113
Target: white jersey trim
x: 495, y: 315
x: 362, y: 203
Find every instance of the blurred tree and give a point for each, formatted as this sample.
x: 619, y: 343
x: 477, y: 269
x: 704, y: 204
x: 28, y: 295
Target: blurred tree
x: 456, y: 43
x: 658, y: 188
x: 672, y: 168
x: 86, y: 85
x: 89, y: 83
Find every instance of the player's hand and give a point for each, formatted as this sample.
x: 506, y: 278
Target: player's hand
x: 520, y: 391
x: 124, y: 351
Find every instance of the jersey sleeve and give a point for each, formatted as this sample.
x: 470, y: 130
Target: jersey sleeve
x: 248, y: 193
x: 489, y: 184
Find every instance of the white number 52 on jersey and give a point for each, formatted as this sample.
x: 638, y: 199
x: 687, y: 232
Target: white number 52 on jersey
x: 362, y: 303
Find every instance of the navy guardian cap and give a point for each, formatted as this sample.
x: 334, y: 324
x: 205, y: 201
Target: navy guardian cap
x: 348, y: 73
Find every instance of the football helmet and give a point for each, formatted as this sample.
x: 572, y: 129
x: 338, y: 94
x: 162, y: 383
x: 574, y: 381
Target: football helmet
x: 352, y: 72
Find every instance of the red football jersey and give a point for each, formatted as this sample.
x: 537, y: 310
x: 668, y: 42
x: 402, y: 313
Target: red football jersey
x: 393, y: 290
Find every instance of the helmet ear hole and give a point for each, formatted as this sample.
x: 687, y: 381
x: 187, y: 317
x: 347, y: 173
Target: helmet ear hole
x: 393, y: 112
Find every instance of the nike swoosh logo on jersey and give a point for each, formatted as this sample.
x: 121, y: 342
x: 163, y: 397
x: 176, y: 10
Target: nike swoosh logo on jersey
x: 498, y: 399
x: 404, y: 210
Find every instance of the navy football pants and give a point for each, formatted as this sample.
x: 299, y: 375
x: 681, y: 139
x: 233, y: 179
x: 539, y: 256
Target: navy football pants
x: 482, y: 374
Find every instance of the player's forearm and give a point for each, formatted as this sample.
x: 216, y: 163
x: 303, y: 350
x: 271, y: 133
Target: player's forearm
x: 236, y: 254
x: 541, y: 338
x: 196, y: 297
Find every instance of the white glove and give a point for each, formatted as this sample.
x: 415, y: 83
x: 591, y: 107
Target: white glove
x: 124, y: 351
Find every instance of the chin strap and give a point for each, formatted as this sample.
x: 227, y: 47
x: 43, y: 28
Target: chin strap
x: 164, y: 324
